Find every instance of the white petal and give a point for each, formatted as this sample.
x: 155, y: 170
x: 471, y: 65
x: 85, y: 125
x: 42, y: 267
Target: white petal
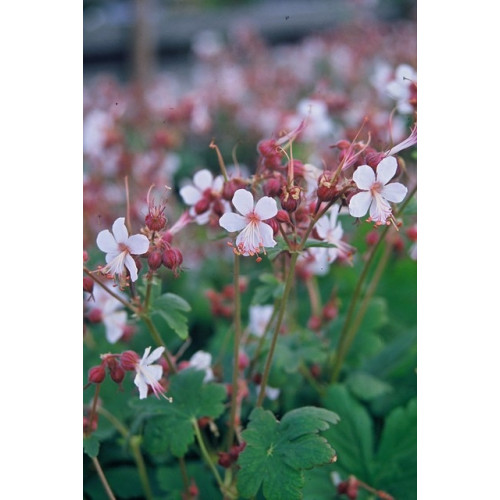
x: 131, y: 266
x: 138, y: 244
x: 364, y: 177
x: 266, y: 233
x: 141, y: 384
x: 203, y: 179
x: 152, y: 373
x: 218, y: 184
x: 243, y: 201
x: 190, y: 195
x: 114, y: 324
x: 322, y: 227
x: 266, y: 208
x: 386, y: 169
x: 394, y: 192
x: 201, y: 360
x: 120, y: 230
x: 145, y: 355
x: 156, y: 354
x: 106, y: 242
x: 359, y: 204
x: 232, y: 222
x: 405, y: 73
x: 380, y: 210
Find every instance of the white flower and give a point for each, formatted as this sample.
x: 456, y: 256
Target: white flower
x: 259, y: 318
x: 148, y: 374
x: 255, y: 234
x: 202, y: 361
x: 113, y: 317
x: 120, y: 247
x: 400, y: 88
x: 271, y: 392
x: 204, y: 186
x: 376, y: 193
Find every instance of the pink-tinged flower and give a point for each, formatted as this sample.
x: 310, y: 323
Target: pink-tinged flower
x: 120, y: 247
x: 148, y: 374
x: 259, y: 318
x: 110, y: 310
x: 202, y: 361
x: 403, y: 88
x: 202, y: 194
x: 255, y: 234
x: 410, y: 141
x: 376, y: 193
x: 329, y: 229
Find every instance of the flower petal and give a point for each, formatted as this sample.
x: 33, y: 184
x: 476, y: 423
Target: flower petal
x: 218, y: 184
x: 266, y: 233
x: 120, y: 230
x: 190, y: 195
x: 114, y: 324
x: 137, y: 244
x: 243, y: 201
x: 156, y: 354
x: 380, y: 210
x: 266, y: 208
x: 142, y: 386
x: 322, y: 227
x: 131, y: 266
x: 364, y: 177
x: 232, y: 222
x: 394, y: 192
x: 386, y: 169
x: 359, y: 204
x: 203, y: 179
x: 106, y: 242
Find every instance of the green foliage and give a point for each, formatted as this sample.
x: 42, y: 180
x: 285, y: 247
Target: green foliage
x: 171, y: 427
x: 276, y: 453
x: 390, y: 465
x: 91, y: 446
x: 272, y: 288
x: 171, y: 307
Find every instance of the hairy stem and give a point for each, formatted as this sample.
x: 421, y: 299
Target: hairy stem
x: 236, y: 352
x: 281, y: 313
x: 103, y: 479
x: 205, y: 454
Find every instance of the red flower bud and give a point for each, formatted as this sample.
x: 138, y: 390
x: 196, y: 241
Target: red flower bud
x: 282, y: 216
x: 412, y: 233
x: 202, y: 206
x: 97, y: 374
x: 314, y: 323
x: 243, y: 361
x: 88, y: 284
x: 372, y: 237
x: 225, y: 459
x: 272, y: 187
x: 274, y: 224
x: 155, y: 260
x: 230, y: 187
x: 95, y: 315
x: 129, y: 360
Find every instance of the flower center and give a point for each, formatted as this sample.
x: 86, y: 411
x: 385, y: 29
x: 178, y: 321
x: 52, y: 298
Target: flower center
x: 253, y: 218
x: 376, y: 188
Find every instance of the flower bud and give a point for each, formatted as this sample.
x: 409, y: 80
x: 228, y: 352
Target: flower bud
x: 290, y: 198
x: 282, y: 216
x: 155, y: 220
x: 172, y: 258
x: 88, y: 284
x: 272, y: 187
x: 129, y: 360
x: 243, y: 360
x: 235, y: 450
x: 218, y: 207
x: 274, y: 224
x: 202, y: 206
x: 193, y: 489
x: 85, y: 256
x: 412, y: 233
x: 330, y: 311
x: 230, y: 187
x: 372, y: 238
x: 97, y: 374
x: 155, y: 260
x: 225, y: 459
x: 117, y: 373
x: 326, y: 188
x: 314, y: 323
x: 95, y: 315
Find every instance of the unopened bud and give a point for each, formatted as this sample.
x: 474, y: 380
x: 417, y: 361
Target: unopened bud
x: 155, y: 221
x: 272, y: 187
x: 274, y: 224
x: 412, y: 233
x: 88, y: 284
x: 243, y: 361
x: 326, y: 187
x: 95, y: 315
x: 314, y: 323
x: 225, y: 459
x: 330, y: 311
x: 155, y: 260
x: 129, y: 360
x: 372, y: 238
x: 172, y: 258
x: 97, y: 374
x: 202, y: 206
x: 282, y: 216
x: 230, y: 187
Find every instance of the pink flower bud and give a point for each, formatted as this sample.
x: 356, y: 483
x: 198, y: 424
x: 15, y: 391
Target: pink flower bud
x: 372, y: 238
x: 272, y: 187
x: 97, y: 374
x: 155, y: 260
x: 282, y: 216
x: 243, y: 361
x: 88, y: 284
x: 314, y: 323
x: 129, y: 360
x: 95, y: 315
x: 202, y: 206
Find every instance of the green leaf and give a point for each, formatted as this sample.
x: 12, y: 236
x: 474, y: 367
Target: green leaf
x: 396, y: 458
x: 171, y: 307
x: 91, y: 446
x: 367, y: 387
x: 353, y: 437
x: 172, y: 429
x: 124, y: 481
x: 276, y: 453
x: 271, y: 289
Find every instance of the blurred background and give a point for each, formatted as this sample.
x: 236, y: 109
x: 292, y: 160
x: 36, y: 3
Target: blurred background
x: 135, y: 38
